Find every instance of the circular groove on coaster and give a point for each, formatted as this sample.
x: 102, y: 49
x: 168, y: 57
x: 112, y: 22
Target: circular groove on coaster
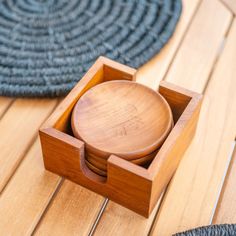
x: 46, y: 46
x: 123, y: 118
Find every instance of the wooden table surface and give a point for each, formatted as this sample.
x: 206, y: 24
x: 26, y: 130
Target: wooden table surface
x: 201, y: 56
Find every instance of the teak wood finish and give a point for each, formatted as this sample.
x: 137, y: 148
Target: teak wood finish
x: 123, y: 118
x: 102, y: 164
x: 64, y: 154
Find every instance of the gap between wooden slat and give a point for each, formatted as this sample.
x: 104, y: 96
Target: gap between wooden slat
x: 54, y: 193
x: 156, y: 69
x: 14, y: 189
x: 74, y: 210
x: 191, y: 200
x: 220, y: 50
x: 50, y: 200
x: 30, y: 144
x: 222, y: 182
x: 226, y: 211
x: 18, y: 135
x: 230, y: 5
x: 198, y: 52
x: 27, y: 195
x: 5, y: 103
x: 91, y: 232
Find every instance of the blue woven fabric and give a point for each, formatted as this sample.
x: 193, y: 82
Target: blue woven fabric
x: 211, y: 230
x: 47, y: 45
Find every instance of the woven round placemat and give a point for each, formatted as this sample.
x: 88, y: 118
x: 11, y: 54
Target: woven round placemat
x: 211, y: 230
x: 47, y: 45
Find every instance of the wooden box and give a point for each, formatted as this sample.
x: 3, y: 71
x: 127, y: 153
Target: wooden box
x: 128, y: 184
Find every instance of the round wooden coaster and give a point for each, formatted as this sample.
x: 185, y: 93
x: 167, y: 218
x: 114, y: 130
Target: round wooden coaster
x: 123, y: 118
x: 144, y: 160
x: 95, y: 169
x: 97, y: 162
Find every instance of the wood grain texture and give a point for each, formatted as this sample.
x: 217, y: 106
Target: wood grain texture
x: 19, y: 127
x: 194, y: 190
x: 200, y: 47
x: 4, y: 104
x: 97, y: 73
x: 226, y: 208
x: 72, y: 212
x: 165, y: 164
x: 102, y: 163
x: 112, y: 116
x: 122, y: 221
x: 154, y: 71
x: 27, y: 195
x: 231, y: 4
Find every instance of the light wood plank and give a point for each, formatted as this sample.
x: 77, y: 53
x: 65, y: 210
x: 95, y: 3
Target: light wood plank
x: 231, y: 4
x: 194, y: 191
x: 27, y: 195
x: 19, y: 127
x: 72, y: 212
x: 154, y: 71
x: 226, y: 209
x: 199, y: 50
x: 150, y: 74
x: 119, y: 220
x: 4, y: 104
x: 106, y: 223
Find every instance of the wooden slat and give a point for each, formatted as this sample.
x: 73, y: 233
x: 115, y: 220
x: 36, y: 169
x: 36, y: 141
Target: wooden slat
x: 73, y: 210
x: 231, y: 4
x: 27, y: 195
x: 106, y: 223
x: 4, y: 104
x: 154, y: 71
x: 193, y: 62
x: 194, y: 191
x: 18, y: 127
x: 29, y: 192
x: 150, y: 74
x: 226, y: 209
x: 120, y: 221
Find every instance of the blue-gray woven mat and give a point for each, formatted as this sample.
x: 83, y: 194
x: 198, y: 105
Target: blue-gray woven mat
x: 47, y: 45
x: 211, y: 230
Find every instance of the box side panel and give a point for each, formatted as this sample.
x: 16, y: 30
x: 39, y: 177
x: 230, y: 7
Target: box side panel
x: 177, y: 99
x: 63, y: 122
x: 167, y: 160
x: 131, y: 188
x: 61, y: 153
x: 117, y: 71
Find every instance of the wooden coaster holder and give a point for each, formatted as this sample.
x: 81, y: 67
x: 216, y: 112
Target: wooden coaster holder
x: 128, y: 184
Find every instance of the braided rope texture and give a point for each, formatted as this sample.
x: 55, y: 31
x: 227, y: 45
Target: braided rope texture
x: 212, y: 230
x: 47, y: 45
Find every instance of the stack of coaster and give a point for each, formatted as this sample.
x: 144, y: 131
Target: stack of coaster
x: 123, y: 118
